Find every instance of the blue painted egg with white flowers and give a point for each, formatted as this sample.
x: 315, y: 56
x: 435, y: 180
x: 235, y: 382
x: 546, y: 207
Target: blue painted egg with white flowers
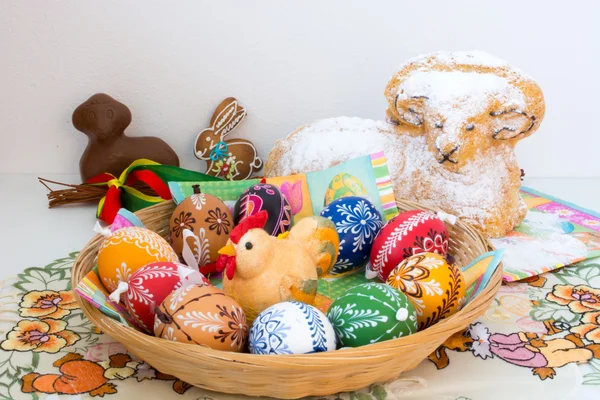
x: 357, y: 222
x: 291, y: 327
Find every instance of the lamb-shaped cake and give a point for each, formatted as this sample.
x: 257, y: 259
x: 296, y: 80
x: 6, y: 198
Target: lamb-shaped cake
x: 453, y: 120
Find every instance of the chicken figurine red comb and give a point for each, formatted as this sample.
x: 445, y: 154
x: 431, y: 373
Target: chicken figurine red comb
x: 262, y: 270
x: 226, y: 260
x: 258, y: 220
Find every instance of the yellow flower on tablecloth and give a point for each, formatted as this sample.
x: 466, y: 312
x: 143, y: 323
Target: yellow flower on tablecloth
x: 590, y: 327
x: 48, y: 336
x: 580, y: 299
x: 47, y: 304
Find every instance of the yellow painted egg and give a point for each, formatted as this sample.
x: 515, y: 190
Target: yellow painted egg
x: 203, y: 315
x: 129, y: 249
x: 436, y: 288
x: 344, y: 185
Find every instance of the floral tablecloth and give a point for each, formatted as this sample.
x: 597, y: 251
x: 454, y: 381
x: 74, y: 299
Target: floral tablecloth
x: 540, y: 339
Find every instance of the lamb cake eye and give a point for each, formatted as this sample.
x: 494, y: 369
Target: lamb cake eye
x: 470, y: 127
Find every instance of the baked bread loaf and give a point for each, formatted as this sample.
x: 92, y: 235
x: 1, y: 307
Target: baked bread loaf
x: 453, y: 122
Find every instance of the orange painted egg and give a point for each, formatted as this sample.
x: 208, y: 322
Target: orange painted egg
x: 129, y: 249
x: 436, y: 288
x: 209, y: 219
x: 202, y: 315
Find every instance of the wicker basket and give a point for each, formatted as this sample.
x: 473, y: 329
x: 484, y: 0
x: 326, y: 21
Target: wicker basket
x: 291, y: 376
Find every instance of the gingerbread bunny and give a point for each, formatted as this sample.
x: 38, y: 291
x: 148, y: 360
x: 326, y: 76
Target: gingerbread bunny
x: 234, y: 159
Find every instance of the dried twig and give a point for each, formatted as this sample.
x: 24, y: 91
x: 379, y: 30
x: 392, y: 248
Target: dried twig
x: 81, y: 193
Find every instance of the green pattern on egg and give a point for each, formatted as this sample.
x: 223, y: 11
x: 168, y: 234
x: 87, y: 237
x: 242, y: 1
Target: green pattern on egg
x: 371, y: 313
x: 344, y: 185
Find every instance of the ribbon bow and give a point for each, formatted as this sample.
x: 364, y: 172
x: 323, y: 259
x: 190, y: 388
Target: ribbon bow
x: 157, y: 176
x: 219, y: 152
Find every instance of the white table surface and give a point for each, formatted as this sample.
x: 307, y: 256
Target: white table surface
x: 33, y: 235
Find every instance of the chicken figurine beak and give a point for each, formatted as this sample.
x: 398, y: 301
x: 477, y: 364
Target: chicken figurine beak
x: 226, y: 260
x: 227, y: 250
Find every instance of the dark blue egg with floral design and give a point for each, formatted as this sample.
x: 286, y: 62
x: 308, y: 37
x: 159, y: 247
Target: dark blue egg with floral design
x: 266, y: 197
x: 357, y: 222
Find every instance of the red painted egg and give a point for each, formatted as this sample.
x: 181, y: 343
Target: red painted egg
x: 150, y: 285
x: 409, y: 233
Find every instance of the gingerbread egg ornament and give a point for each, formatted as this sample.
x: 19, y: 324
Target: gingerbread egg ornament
x: 208, y: 218
x: 266, y: 197
x: 128, y: 249
x: 202, y: 315
x: 409, y: 233
x: 434, y: 287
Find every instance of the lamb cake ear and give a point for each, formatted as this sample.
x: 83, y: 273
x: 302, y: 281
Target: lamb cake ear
x: 511, y: 124
x: 409, y: 110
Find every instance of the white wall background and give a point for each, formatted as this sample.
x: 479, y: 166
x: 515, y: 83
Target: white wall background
x: 288, y: 63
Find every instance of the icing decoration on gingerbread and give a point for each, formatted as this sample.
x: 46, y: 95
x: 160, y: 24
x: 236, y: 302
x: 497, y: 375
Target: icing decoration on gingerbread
x: 233, y: 159
x: 104, y: 120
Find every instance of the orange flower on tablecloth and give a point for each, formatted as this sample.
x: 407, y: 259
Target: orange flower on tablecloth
x: 47, y: 304
x: 48, y: 336
x: 580, y: 299
x: 536, y: 281
x: 590, y: 327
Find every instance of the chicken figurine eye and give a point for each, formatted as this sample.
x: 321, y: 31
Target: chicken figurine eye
x: 248, y: 245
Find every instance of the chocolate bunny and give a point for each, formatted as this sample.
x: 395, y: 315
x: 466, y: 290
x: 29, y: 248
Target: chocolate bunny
x: 103, y: 119
x: 234, y: 159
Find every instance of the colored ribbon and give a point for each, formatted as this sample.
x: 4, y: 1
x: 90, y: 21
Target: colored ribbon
x: 121, y: 194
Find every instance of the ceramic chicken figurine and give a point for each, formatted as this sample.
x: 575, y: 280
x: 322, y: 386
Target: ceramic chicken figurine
x: 261, y: 270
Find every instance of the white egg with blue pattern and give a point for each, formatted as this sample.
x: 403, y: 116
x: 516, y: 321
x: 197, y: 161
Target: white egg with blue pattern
x: 291, y: 328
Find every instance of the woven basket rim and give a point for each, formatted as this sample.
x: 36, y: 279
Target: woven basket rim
x: 436, y: 334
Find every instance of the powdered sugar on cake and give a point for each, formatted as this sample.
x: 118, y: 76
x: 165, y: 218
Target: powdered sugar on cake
x: 475, y: 58
x: 456, y: 119
x: 409, y: 161
x: 454, y: 96
x: 337, y: 142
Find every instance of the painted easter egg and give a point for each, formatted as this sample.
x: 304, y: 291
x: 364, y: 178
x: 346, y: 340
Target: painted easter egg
x: 371, y: 313
x: 204, y: 315
x: 291, y: 328
x: 411, y: 232
x: 210, y: 221
x: 344, y: 185
x: 129, y: 249
x: 150, y: 285
x: 357, y: 222
x: 269, y: 198
x: 436, y: 288
x: 320, y: 239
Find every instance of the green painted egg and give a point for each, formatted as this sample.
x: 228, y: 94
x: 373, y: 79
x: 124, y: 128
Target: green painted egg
x: 371, y: 313
x: 344, y: 185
